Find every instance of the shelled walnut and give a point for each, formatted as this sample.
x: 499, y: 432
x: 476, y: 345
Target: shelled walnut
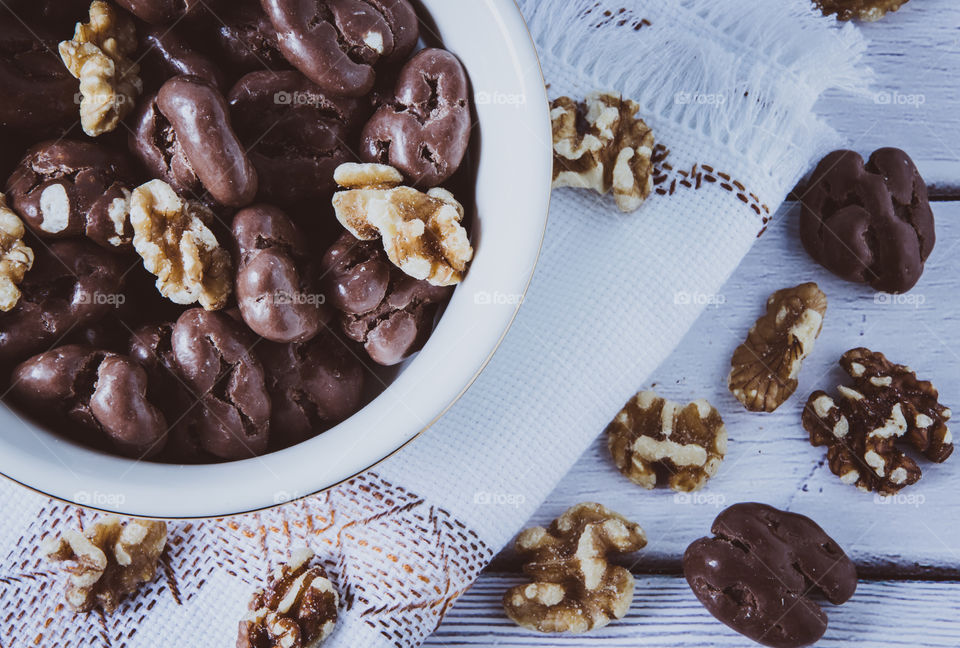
x: 298, y: 609
x: 172, y: 237
x: 575, y: 588
x: 100, y: 57
x: 601, y: 144
x: 886, y: 405
x: 765, y: 367
x: 866, y: 10
x: 651, y: 432
x: 421, y: 232
x: 16, y: 257
x: 109, y: 560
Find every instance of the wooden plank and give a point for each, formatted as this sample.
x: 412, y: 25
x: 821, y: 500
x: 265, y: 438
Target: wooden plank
x: 769, y: 457
x: 665, y: 614
x: 915, y: 53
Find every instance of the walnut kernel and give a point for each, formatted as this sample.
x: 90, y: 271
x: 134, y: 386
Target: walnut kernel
x: 601, y: 144
x: 651, y: 432
x: 171, y: 236
x: 99, y: 56
x: 421, y: 232
x: 109, y: 560
x: 574, y: 587
x: 765, y: 367
x: 15, y: 256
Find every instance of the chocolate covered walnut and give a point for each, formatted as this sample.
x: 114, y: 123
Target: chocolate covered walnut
x: 16, y: 257
x: 575, y: 588
x: 421, y: 232
x: 171, y: 236
x: 601, y: 144
x: 651, y: 432
x: 108, y: 561
x: 298, y: 609
x: 866, y: 10
x: 765, y: 367
x: 886, y: 405
x: 100, y: 57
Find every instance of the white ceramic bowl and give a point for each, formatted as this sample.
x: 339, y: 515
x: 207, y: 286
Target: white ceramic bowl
x: 513, y: 184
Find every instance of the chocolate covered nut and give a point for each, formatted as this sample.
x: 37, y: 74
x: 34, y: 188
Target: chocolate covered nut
x: 425, y: 130
x: 296, y: 157
x: 312, y: 386
x: 161, y: 12
x: 168, y: 53
x: 400, y: 323
x: 756, y: 575
x: 154, y: 142
x: 277, y: 287
x: 200, y: 119
x: 67, y: 188
x: 886, y: 406
x: 101, y: 391
x: 245, y: 39
x: 38, y: 90
x: 336, y: 43
x: 869, y: 223
x: 70, y: 286
x: 214, y: 355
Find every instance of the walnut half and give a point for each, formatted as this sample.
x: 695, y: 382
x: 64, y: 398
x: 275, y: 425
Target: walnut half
x: 99, y: 56
x: 601, y: 144
x: 575, y: 588
x: 15, y: 256
x: 765, y: 367
x: 172, y: 237
x: 650, y: 433
x: 886, y: 405
x: 421, y: 232
x: 298, y: 609
x: 109, y: 560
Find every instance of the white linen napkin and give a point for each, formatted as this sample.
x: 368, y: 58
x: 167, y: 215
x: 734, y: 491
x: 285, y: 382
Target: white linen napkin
x: 728, y: 87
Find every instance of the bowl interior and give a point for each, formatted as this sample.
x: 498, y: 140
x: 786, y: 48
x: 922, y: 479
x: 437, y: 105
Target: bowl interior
x: 512, y: 194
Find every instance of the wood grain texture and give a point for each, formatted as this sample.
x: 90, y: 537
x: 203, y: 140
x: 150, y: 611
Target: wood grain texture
x: 665, y: 614
x: 915, y: 53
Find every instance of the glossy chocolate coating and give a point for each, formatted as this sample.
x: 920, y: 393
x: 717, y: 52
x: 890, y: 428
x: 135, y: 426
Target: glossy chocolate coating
x: 67, y: 287
x: 757, y: 573
x: 336, y: 43
x: 198, y: 114
x: 424, y: 131
x: 213, y: 355
x: 308, y: 138
x: 156, y: 145
x: 245, y: 39
x: 399, y: 323
x: 161, y: 12
x: 168, y: 52
x: 277, y: 288
x: 66, y: 188
x: 101, y: 391
x: 313, y: 386
x: 869, y: 223
x: 39, y: 93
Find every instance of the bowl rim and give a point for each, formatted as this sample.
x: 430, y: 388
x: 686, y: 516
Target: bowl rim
x: 511, y: 5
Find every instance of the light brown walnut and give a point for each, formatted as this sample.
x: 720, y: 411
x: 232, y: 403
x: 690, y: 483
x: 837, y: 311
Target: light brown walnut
x: 601, y: 144
x: 651, y: 433
x: 421, y: 232
x: 172, y: 237
x: 765, y: 367
x: 297, y: 609
x: 108, y: 561
x: 885, y: 406
x: 575, y: 588
x: 100, y: 57
x: 866, y: 10
x: 16, y: 257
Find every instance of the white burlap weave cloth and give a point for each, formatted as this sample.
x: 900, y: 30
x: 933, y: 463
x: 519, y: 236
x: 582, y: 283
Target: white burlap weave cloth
x: 729, y: 88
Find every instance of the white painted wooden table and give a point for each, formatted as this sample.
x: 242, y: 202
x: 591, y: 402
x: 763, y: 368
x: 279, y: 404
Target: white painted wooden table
x: 907, y: 549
